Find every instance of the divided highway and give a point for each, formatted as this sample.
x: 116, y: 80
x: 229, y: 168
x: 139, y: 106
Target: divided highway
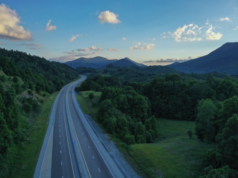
x: 71, y: 148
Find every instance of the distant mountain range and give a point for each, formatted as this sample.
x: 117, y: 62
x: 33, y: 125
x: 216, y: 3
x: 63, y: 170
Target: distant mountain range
x: 101, y: 62
x: 222, y: 60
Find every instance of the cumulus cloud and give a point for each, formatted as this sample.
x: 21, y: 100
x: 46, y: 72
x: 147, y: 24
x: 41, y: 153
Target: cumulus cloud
x: 124, y: 39
x: 108, y: 17
x: 113, y: 49
x: 193, y: 32
x: 9, y: 25
x: 32, y: 45
x: 50, y: 27
x: 145, y: 47
x: 93, y: 48
x: 211, y: 35
x: 225, y: 19
x: 148, y: 47
x: 73, y: 38
x: 136, y: 46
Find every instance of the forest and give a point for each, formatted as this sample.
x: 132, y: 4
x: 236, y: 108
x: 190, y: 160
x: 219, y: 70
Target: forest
x: 131, y: 102
x: 24, y: 80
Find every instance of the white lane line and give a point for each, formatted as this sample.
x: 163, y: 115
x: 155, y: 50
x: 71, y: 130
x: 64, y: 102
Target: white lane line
x: 60, y: 151
x: 93, y: 157
x: 61, y: 163
x: 99, y: 170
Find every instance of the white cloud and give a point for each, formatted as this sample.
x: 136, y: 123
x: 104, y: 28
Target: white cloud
x: 49, y: 28
x: 225, y: 19
x: 153, y: 39
x: 124, y: 39
x: 73, y: 38
x: 211, y: 35
x: 136, y: 46
x: 32, y: 45
x: 113, y: 49
x: 148, y: 47
x: 193, y: 32
x: 9, y: 25
x: 236, y: 28
x: 93, y: 48
x: 108, y: 17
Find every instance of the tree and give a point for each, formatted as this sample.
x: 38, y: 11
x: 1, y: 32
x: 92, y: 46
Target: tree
x: 91, y: 96
x: 140, y: 133
x: 228, y: 142
x: 190, y: 134
x: 205, y: 120
x: 129, y: 139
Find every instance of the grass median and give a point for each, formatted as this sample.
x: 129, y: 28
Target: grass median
x: 32, y: 149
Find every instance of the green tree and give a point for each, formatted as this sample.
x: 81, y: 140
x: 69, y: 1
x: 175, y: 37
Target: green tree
x: 205, y: 120
x: 140, y: 133
x: 228, y: 142
x: 91, y: 96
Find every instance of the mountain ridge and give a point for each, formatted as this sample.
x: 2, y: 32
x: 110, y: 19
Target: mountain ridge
x: 223, y: 60
x: 101, y: 62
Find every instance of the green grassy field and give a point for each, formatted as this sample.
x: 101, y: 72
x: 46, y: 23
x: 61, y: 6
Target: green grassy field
x: 32, y: 150
x: 174, y: 155
x: 86, y: 104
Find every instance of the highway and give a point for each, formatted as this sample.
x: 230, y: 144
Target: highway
x: 75, y: 150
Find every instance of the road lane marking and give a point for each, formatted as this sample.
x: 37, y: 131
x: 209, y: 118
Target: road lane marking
x: 93, y: 157
x: 68, y: 144
x: 99, y: 170
x: 80, y: 146
x: 60, y: 151
x: 88, y: 147
x: 61, y: 163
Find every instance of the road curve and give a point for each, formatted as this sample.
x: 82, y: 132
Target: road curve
x: 75, y: 149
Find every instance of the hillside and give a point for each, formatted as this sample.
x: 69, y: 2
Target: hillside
x: 126, y: 62
x: 38, y: 73
x: 101, y: 62
x: 223, y: 60
x: 95, y: 62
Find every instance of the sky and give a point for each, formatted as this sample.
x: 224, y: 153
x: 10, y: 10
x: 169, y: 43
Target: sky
x: 152, y: 32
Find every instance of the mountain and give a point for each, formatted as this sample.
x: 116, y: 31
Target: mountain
x: 222, y: 60
x: 95, y: 62
x: 101, y: 62
x: 126, y: 62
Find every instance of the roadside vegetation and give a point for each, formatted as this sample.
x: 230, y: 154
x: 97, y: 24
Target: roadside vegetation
x: 202, y: 107
x: 32, y: 148
x: 26, y: 84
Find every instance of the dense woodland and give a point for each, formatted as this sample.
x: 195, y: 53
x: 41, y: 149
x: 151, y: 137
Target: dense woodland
x: 23, y: 73
x: 128, y: 109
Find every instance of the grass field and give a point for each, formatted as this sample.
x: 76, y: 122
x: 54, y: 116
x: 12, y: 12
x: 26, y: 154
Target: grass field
x: 174, y: 155
x: 86, y: 104
x: 32, y: 150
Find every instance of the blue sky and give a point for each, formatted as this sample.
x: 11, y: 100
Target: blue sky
x: 149, y: 31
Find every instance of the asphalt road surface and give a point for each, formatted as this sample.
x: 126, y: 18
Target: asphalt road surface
x: 73, y: 141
